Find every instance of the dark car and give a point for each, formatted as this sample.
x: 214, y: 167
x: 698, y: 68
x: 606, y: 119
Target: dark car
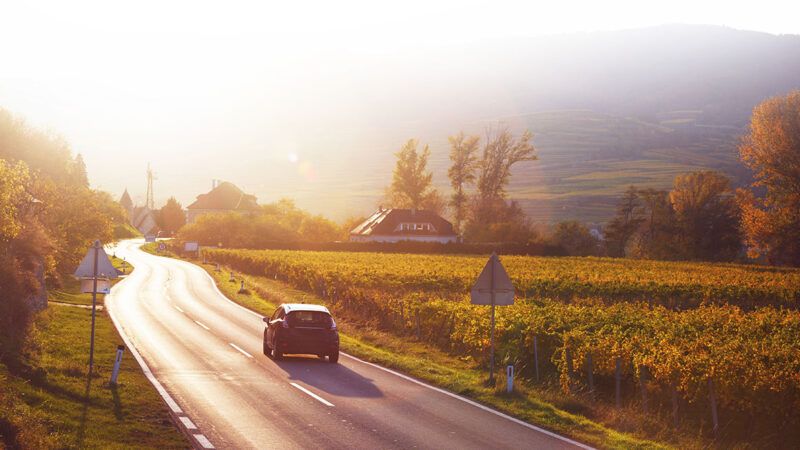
x: 301, y: 329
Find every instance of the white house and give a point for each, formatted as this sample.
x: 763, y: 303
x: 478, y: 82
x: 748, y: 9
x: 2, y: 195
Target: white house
x: 395, y: 225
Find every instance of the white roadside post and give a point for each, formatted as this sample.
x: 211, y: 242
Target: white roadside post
x: 117, y: 361
x: 493, y: 287
x: 509, y: 378
x: 95, y: 270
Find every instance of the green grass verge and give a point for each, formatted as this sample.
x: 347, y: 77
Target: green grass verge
x: 52, y: 403
x: 414, y: 358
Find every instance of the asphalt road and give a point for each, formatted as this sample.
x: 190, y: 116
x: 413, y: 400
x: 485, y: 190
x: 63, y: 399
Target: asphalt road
x: 205, y: 351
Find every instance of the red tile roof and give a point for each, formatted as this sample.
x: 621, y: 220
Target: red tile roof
x: 226, y: 196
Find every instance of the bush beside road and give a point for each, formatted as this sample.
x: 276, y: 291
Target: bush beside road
x: 49, y: 403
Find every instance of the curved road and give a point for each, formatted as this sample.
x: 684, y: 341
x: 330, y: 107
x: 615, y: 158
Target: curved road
x: 205, y: 353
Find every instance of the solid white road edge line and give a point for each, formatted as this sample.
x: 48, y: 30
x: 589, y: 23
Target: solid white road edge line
x: 147, y: 373
x: 414, y: 380
x: 315, y: 396
x: 207, y: 329
x: 471, y: 402
x: 240, y: 350
x: 173, y: 406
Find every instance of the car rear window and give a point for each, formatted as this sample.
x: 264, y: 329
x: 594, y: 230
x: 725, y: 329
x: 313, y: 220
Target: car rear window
x: 309, y: 319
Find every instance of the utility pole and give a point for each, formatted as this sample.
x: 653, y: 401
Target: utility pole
x: 149, y: 202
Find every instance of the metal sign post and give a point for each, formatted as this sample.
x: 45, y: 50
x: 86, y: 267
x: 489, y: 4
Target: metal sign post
x: 95, y: 265
x: 94, y: 304
x: 493, y: 287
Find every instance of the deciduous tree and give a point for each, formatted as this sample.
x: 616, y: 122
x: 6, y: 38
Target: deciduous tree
x: 491, y: 217
x: 464, y: 161
x: 575, y: 238
x: 657, y: 234
x: 706, y: 216
x: 411, y: 180
x: 771, y: 223
x: 623, y: 226
x: 171, y: 216
x: 500, y: 152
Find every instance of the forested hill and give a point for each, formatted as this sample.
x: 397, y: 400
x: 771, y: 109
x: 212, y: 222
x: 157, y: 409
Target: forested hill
x: 608, y: 109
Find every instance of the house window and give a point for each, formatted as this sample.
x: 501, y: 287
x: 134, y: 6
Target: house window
x: 415, y: 227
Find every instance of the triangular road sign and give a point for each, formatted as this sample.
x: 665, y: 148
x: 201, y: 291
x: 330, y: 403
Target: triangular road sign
x: 493, y: 279
x: 104, y: 267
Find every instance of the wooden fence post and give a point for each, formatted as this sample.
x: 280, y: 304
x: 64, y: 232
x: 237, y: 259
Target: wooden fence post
x: 618, y: 379
x: 642, y: 370
x: 568, y: 355
x: 590, y: 371
x: 536, y: 356
x: 674, y: 405
x: 416, y: 319
x: 713, y: 400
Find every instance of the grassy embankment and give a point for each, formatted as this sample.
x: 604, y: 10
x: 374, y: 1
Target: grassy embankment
x: 459, y: 375
x: 51, y: 403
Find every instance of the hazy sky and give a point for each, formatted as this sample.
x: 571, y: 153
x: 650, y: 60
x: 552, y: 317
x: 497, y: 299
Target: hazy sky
x: 181, y: 83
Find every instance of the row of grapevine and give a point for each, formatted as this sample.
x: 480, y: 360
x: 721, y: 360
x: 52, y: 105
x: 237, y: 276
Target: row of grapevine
x: 672, y: 284
x: 753, y: 357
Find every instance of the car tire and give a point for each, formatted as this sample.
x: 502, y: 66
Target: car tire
x: 333, y: 358
x: 277, y: 354
x: 267, y: 350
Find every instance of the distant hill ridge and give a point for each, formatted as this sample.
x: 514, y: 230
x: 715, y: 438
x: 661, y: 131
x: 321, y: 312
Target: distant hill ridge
x: 608, y: 109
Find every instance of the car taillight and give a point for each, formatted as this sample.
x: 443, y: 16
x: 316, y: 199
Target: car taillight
x: 333, y: 324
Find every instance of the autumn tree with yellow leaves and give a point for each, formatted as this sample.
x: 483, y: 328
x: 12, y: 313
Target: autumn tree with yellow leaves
x: 771, y: 222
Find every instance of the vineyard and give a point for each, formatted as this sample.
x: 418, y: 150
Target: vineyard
x: 688, y: 331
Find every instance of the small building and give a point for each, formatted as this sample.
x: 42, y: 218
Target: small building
x: 224, y: 197
x: 127, y: 203
x: 144, y: 220
x: 395, y: 225
x: 140, y: 217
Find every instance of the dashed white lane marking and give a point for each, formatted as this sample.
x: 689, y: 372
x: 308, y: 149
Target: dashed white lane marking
x: 178, y: 308
x: 313, y: 395
x: 199, y: 323
x: 240, y: 350
x: 203, y: 441
x: 187, y: 422
x: 408, y: 378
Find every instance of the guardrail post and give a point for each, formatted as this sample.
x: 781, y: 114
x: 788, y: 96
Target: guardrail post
x: 117, y: 361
